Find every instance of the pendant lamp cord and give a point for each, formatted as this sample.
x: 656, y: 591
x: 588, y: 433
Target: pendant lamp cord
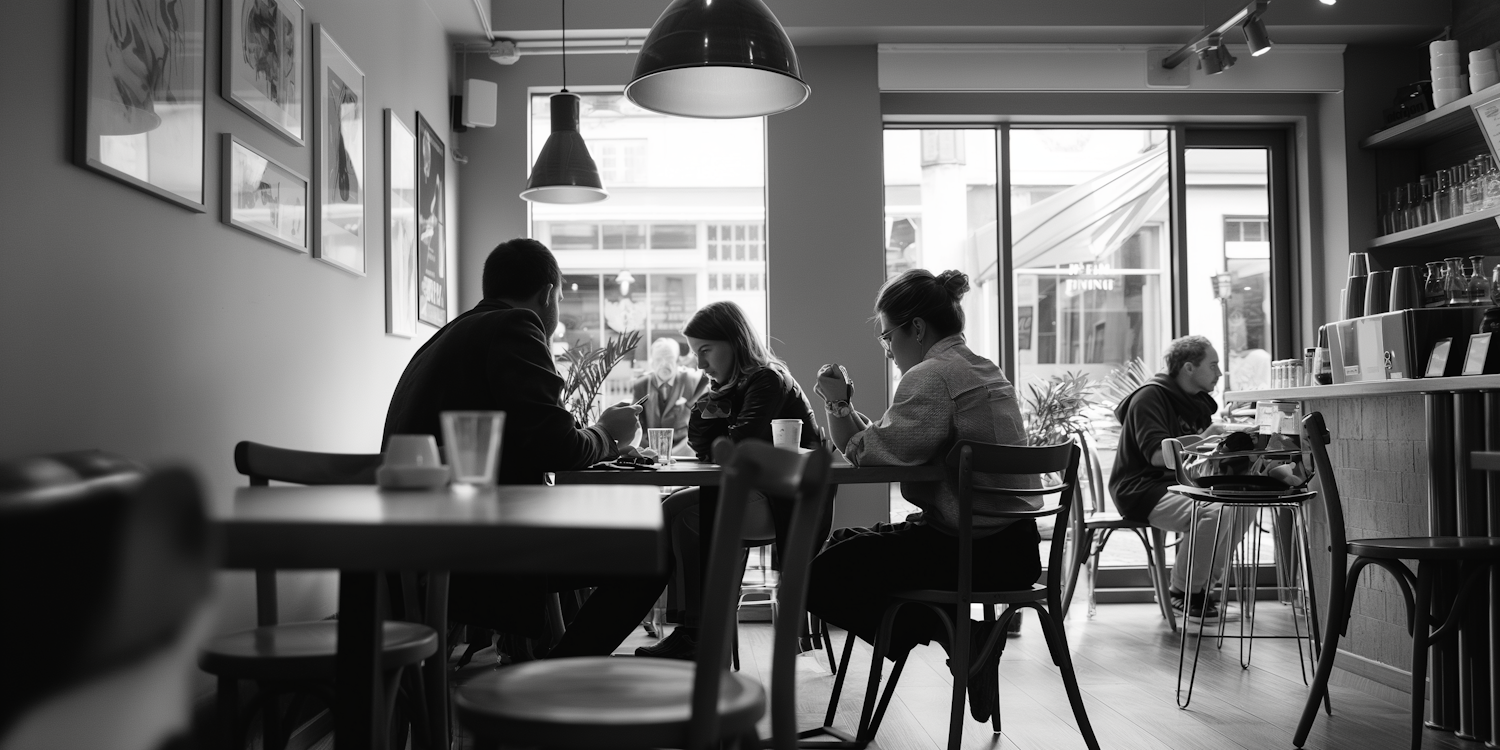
x: 565, y: 44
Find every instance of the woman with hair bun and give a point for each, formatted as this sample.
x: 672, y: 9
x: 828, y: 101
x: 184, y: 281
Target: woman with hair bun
x: 947, y: 393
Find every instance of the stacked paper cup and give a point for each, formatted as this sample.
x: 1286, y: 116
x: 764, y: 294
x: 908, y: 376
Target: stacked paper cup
x: 1482, y: 74
x: 1449, y: 83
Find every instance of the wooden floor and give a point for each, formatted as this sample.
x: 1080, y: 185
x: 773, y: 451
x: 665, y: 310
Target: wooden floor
x: 1126, y: 659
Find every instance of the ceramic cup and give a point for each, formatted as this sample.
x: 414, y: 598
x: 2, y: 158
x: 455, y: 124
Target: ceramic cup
x: 1406, y: 289
x: 412, y: 450
x: 1354, y: 297
x: 1448, y: 59
x: 1482, y: 55
x: 1443, y: 47
x: 1377, y: 292
x: 1359, y: 264
x: 1482, y: 66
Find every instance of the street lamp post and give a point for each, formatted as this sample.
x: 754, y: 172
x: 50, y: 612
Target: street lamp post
x: 1223, y: 291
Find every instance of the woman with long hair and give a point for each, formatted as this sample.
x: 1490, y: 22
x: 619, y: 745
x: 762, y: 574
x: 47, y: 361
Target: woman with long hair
x: 750, y: 387
x: 947, y: 393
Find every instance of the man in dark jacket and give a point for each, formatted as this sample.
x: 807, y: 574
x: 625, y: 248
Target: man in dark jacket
x: 1174, y: 404
x: 498, y: 357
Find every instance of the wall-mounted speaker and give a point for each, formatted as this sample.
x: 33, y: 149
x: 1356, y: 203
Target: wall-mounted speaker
x: 480, y: 98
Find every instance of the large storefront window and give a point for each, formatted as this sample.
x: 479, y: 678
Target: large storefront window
x: 684, y: 225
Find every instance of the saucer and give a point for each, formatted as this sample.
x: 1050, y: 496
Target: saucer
x: 412, y: 477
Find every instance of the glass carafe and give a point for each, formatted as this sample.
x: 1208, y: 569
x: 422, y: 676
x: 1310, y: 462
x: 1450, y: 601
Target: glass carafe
x: 1455, y: 286
x: 1433, y: 292
x: 1478, y: 282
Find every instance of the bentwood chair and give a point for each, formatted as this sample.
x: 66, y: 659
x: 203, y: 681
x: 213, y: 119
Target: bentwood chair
x: 966, y: 459
x: 594, y: 702
x: 298, y: 658
x: 1467, y: 558
x: 1092, y: 525
x: 116, y: 565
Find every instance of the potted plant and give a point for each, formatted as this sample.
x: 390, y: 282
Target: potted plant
x: 588, y: 368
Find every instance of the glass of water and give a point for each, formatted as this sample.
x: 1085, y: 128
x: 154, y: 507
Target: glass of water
x: 472, y: 440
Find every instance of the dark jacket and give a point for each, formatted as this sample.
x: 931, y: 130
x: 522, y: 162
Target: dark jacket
x: 685, y: 389
x: 745, y: 408
x: 1157, y: 410
x: 496, y: 357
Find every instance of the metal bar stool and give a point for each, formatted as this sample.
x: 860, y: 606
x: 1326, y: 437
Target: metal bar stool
x: 1243, y: 498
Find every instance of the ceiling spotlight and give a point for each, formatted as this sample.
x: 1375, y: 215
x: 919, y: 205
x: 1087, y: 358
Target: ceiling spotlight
x: 1214, y: 56
x: 1256, y: 36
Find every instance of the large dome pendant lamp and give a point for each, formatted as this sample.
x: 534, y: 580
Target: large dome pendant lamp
x: 564, y: 172
x: 717, y: 59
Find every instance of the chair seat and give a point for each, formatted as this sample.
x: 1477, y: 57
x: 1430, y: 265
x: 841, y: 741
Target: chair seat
x: 1036, y: 593
x: 1107, y: 520
x: 601, y: 702
x: 1441, y: 548
x: 306, y: 650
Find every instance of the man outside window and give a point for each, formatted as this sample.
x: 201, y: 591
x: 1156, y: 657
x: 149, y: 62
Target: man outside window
x: 1175, y: 404
x: 673, y: 390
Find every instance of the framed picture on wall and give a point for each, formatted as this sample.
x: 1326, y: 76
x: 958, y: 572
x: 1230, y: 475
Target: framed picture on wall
x: 264, y: 47
x: 339, y: 155
x: 262, y: 196
x: 432, y: 258
x: 140, y: 106
x: 401, y: 227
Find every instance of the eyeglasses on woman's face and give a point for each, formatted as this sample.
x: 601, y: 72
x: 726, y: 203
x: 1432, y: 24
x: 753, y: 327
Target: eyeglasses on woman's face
x: 885, y: 336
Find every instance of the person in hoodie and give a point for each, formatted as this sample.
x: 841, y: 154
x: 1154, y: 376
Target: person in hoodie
x: 1174, y: 404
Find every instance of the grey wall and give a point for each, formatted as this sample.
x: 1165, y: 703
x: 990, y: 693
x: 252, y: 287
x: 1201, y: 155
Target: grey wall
x: 132, y: 325
x: 824, y: 208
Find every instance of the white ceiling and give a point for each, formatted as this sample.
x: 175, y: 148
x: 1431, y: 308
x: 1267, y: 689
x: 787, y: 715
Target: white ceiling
x: 973, y: 21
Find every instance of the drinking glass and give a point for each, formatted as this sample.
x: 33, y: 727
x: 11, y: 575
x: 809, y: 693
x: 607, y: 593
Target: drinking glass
x: 472, y: 439
x: 1359, y: 264
x: 659, y: 439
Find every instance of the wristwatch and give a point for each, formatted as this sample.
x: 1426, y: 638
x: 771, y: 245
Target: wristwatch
x: 838, y: 408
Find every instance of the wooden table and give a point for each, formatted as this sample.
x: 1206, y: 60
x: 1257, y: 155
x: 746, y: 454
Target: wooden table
x: 690, y: 472
x: 362, y: 531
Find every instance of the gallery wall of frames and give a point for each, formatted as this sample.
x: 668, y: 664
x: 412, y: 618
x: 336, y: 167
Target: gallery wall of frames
x: 140, y: 112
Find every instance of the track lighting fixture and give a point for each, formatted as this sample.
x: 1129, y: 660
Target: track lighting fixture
x: 1256, y: 36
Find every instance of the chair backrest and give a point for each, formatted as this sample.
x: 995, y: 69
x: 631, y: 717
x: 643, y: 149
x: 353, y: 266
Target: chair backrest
x: 755, y: 465
x: 1091, y: 474
x: 266, y: 463
x: 1318, y: 439
x: 112, y: 566
x: 1171, y: 457
x: 969, y: 458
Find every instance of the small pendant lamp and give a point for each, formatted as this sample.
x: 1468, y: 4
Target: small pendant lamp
x: 717, y: 59
x: 564, y: 172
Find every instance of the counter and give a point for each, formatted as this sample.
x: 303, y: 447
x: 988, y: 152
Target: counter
x: 1400, y: 457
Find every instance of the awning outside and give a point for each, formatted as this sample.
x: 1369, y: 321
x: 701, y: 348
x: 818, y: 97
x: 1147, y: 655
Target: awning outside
x: 1088, y: 220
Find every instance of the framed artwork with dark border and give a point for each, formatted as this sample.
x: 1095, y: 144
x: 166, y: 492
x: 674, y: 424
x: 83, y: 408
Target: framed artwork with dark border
x: 265, y: 52
x: 139, y: 95
x: 432, y: 258
x: 262, y: 196
x: 338, y: 155
x: 401, y: 227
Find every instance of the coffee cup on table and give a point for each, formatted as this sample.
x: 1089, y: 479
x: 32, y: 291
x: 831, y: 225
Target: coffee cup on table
x: 412, y: 450
x: 786, y: 433
x: 411, y: 462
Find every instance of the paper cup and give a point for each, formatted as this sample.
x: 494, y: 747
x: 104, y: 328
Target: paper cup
x: 659, y: 439
x: 786, y: 433
x: 1482, y: 55
x: 1443, y: 47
